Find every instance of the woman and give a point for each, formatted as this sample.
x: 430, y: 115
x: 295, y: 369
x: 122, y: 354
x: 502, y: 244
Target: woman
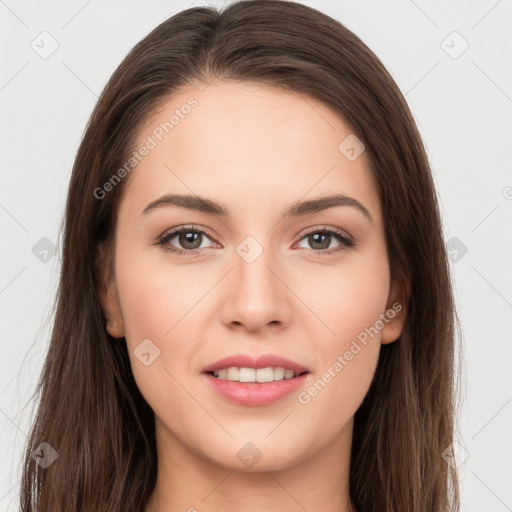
x: 255, y: 308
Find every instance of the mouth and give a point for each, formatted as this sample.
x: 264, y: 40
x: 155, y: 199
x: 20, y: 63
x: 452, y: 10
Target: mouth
x: 255, y: 375
x: 255, y: 387
x: 250, y: 380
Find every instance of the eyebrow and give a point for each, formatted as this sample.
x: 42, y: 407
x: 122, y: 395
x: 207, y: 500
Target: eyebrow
x: 297, y: 209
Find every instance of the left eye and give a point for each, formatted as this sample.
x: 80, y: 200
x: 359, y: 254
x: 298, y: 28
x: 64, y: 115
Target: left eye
x: 323, y: 238
x: 191, y: 240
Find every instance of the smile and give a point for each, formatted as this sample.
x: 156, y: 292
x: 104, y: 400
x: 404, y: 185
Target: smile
x: 253, y: 393
x: 244, y: 374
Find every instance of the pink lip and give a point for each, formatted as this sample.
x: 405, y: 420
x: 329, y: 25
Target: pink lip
x: 248, y: 361
x: 255, y: 393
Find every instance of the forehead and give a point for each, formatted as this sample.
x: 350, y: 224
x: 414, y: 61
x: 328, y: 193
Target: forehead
x: 245, y: 143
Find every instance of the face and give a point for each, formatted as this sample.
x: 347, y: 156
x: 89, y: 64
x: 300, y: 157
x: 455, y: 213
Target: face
x: 312, y: 286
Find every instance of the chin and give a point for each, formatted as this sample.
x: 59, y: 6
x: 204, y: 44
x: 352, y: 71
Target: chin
x: 260, y: 454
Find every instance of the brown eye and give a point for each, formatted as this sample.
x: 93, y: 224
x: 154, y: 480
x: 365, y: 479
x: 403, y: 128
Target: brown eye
x: 320, y: 240
x: 188, y: 240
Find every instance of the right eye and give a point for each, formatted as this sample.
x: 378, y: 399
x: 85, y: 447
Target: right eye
x: 184, y: 236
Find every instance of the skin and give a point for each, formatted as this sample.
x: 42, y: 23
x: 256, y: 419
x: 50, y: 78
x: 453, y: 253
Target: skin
x: 257, y: 150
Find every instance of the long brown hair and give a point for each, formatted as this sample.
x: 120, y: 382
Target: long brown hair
x: 90, y: 409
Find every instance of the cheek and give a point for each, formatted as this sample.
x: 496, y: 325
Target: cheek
x: 146, y: 303
x: 334, y: 394
x: 154, y: 304
x: 346, y: 359
x: 349, y: 302
x: 153, y: 297
x: 347, y: 298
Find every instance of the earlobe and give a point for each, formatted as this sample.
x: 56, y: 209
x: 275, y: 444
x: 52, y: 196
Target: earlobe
x: 110, y: 304
x: 107, y: 293
x: 114, y: 330
x: 396, y: 310
x: 392, y: 330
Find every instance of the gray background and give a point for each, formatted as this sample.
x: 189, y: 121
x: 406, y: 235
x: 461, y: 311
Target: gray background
x: 461, y: 100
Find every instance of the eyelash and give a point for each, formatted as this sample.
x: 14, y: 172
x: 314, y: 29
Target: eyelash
x: 346, y: 241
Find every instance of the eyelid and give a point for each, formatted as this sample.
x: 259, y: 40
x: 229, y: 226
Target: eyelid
x: 346, y: 240
x: 342, y: 232
x: 170, y: 233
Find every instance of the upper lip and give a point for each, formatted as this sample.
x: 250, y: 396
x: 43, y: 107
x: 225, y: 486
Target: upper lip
x: 249, y: 361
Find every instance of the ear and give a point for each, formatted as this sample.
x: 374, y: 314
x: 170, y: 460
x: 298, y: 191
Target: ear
x: 396, y: 309
x: 107, y: 292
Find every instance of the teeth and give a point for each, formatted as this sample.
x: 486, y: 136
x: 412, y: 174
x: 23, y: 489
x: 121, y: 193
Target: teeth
x: 232, y: 374
x: 288, y: 374
x: 247, y: 375
x: 268, y: 374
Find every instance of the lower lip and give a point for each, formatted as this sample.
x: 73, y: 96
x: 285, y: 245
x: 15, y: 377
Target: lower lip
x: 255, y: 393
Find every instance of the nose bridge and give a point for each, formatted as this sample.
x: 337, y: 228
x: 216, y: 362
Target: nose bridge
x: 256, y: 296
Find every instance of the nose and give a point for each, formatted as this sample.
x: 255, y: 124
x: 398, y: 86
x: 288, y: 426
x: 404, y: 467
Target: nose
x: 256, y: 295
